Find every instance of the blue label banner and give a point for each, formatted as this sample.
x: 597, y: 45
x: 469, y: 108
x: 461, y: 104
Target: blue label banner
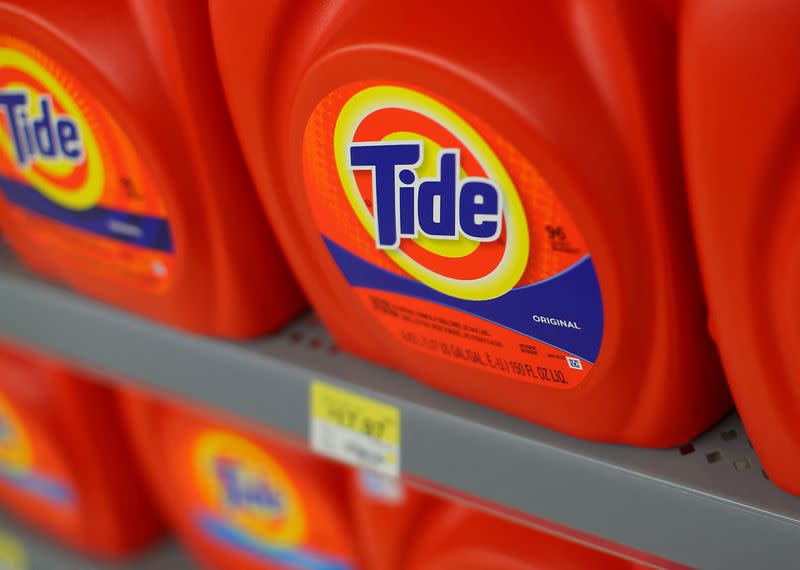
x: 290, y: 557
x: 143, y: 231
x: 44, y: 487
x: 571, y: 296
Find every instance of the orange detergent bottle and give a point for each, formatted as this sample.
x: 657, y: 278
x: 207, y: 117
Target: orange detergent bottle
x: 739, y: 98
x: 459, y: 538
x: 120, y: 174
x: 65, y: 463
x: 489, y: 200
x: 239, y: 500
x: 401, y: 528
x: 388, y: 517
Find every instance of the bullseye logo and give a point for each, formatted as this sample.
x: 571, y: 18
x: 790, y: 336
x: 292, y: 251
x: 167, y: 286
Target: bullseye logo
x: 43, y: 131
x: 246, y: 495
x: 431, y: 192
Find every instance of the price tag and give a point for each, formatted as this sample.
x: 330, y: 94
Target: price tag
x: 354, y: 429
x: 12, y: 553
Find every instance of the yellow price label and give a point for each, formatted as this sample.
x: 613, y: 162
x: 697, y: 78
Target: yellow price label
x: 354, y: 428
x: 355, y: 412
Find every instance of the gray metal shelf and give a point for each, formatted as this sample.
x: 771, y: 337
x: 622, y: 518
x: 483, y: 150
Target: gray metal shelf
x: 712, y: 507
x: 24, y: 549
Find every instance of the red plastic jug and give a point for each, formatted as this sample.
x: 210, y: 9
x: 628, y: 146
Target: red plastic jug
x: 120, y: 174
x: 489, y: 200
x: 66, y: 465
x: 240, y: 500
x: 388, y: 517
x: 460, y: 538
x: 401, y: 528
x: 739, y: 93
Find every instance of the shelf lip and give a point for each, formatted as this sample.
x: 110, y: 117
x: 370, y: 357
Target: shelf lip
x: 683, y: 509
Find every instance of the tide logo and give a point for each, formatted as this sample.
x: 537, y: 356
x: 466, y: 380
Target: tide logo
x: 45, y: 134
x: 242, y: 490
x: 440, y: 207
x: 48, y: 137
x: 431, y: 192
x: 247, y: 490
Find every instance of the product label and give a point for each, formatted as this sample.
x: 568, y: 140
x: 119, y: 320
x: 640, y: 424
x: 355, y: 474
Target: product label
x: 354, y: 429
x: 71, y: 178
x: 27, y: 465
x: 450, y: 237
x: 247, y: 501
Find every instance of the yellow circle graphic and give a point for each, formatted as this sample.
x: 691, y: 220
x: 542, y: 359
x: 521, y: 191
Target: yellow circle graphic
x: 282, y: 524
x: 517, y: 250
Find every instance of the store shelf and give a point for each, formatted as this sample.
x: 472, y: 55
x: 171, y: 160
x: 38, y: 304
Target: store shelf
x: 24, y: 549
x: 712, y: 507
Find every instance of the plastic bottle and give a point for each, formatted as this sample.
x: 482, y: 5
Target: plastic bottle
x: 66, y: 465
x: 739, y: 93
x: 460, y: 538
x: 401, y: 528
x: 120, y: 174
x: 388, y: 517
x: 241, y: 500
x: 532, y: 149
